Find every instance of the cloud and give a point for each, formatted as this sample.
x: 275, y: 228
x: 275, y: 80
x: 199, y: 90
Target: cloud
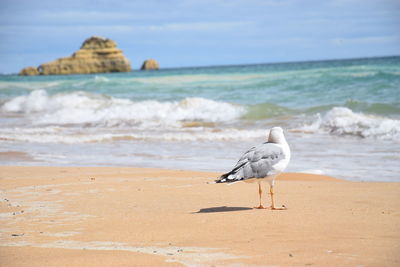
x: 206, y: 27
x: 219, y: 26
x: 376, y: 40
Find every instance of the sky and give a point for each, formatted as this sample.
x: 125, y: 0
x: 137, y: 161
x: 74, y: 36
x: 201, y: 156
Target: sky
x: 181, y: 33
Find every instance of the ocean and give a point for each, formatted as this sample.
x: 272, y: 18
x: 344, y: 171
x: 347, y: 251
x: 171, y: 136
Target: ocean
x: 341, y: 117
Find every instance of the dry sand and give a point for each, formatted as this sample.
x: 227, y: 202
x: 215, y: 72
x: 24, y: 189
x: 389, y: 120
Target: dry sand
x: 73, y: 216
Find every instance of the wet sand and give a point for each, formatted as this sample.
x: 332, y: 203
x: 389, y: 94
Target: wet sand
x: 93, y: 216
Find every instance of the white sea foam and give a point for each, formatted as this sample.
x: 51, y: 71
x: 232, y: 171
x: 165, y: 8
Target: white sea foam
x: 77, y: 135
x: 101, y: 79
x: 31, y: 86
x: 343, y: 121
x: 34, y: 102
x: 93, y: 109
x: 313, y: 171
x: 179, y: 79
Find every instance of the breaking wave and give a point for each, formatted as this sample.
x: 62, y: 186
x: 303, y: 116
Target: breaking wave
x: 343, y: 121
x: 101, y: 110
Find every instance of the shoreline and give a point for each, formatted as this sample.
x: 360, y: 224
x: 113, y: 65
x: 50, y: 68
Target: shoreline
x: 102, y: 216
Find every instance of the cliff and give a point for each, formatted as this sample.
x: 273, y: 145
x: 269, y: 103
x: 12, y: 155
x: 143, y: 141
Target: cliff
x: 96, y: 55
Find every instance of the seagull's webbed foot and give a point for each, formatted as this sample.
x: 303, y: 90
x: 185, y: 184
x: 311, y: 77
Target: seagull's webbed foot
x: 260, y: 207
x: 279, y: 208
x: 271, y: 191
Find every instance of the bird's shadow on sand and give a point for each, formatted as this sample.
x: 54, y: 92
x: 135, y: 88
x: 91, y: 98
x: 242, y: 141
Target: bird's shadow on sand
x: 222, y: 209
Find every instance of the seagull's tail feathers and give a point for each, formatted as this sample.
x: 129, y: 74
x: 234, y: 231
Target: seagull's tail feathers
x: 233, y: 176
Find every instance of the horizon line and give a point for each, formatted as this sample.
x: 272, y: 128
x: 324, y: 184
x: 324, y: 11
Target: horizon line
x: 235, y: 65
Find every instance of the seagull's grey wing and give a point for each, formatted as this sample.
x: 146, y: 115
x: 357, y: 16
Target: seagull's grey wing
x: 245, y: 157
x: 255, y: 163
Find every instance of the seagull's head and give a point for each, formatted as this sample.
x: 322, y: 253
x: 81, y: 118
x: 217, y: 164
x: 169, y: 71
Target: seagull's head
x: 276, y: 136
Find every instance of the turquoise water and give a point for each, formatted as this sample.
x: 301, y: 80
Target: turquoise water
x: 203, y: 118
x: 291, y: 85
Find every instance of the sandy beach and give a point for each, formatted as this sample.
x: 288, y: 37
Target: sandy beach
x: 101, y: 216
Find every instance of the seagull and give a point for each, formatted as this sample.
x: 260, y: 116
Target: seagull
x: 262, y: 162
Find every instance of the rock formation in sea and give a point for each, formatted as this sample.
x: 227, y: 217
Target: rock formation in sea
x: 96, y: 55
x: 150, y: 64
x: 29, y: 71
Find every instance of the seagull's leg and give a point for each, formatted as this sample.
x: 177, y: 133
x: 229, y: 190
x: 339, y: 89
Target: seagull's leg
x: 260, y: 193
x: 271, y: 191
